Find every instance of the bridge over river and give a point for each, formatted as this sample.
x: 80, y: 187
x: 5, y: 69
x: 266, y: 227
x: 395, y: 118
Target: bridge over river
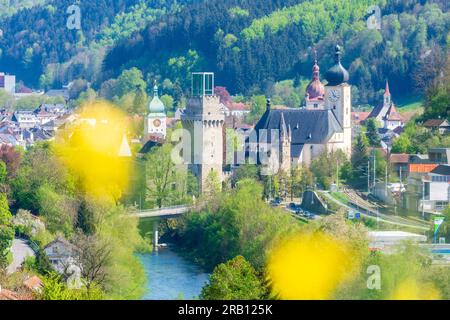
x: 158, y: 214
x: 163, y: 213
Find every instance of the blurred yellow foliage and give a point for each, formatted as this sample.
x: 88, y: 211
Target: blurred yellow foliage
x: 90, y: 149
x: 410, y: 289
x: 309, y: 267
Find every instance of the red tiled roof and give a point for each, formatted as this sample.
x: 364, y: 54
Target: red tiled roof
x: 393, y: 115
x: 359, y: 117
x: 422, y: 168
x: 432, y: 123
x: 399, y: 158
x: 238, y: 107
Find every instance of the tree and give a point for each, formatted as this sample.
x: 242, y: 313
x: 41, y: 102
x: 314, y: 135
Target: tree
x: 3, y: 172
x: 401, y: 144
x: 168, y: 101
x: 372, y: 133
x: 94, y: 255
x: 234, y: 280
x: 129, y: 81
x: 326, y: 167
x: 161, y: 175
x: 6, y: 231
x: 11, y: 158
x: 236, y: 223
x: 224, y: 95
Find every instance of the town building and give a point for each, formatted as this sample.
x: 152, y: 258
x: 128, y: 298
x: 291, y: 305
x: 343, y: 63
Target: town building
x: 442, y: 126
x: 436, y: 185
x: 156, y: 122
x: 25, y: 128
x: 60, y: 253
x: 287, y: 137
x: 427, y: 186
x: 8, y: 83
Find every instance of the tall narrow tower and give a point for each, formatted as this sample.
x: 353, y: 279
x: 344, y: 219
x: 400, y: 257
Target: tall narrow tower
x: 204, y: 120
x: 156, y: 122
x: 338, y: 98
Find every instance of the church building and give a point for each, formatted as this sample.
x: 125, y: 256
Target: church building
x: 386, y: 113
x: 299, y: 135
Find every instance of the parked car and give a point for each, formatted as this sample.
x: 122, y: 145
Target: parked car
x: 276, y: 202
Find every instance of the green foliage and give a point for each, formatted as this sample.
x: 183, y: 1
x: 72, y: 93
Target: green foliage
x: 3, y: 172
x: 258, y: 107
x: 232, y: 224
x: 167, y: 183
x: 40, y: 168
x: 130, y: 81
x: 325, y: 167
x: 6, y: 231
x: 8, y: 7
x: 372, y: 133
x: 234, y: 280
x: 417, y: 139
x: 266, y: 52
x: 135, y: 19
x: 409, y: 263
x: 55, y: 289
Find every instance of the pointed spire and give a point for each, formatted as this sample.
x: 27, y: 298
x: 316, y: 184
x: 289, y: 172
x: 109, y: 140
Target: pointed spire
x: 338, y: 53
x: 124, y: 150
x: 155, y: 89
x: 387, y: 91
x: 284, y: 129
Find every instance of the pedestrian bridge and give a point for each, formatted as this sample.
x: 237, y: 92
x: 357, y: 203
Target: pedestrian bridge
x: 164, y: 213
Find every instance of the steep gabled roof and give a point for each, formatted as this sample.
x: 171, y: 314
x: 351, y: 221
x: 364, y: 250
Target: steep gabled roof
x: 307, y: 126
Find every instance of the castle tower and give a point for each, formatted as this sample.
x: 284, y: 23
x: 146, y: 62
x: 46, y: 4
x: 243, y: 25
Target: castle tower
x: 204, y: 120
x: 338, y: 98
x: 156, y: 122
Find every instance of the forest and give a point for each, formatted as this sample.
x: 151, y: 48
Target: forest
x: 250, y: 45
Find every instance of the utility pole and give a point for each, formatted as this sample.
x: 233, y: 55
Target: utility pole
x: 374, y: 169
x: 368, y: 176
x: 385, y: 180
x: 423, y: 198
x: 337, y: 176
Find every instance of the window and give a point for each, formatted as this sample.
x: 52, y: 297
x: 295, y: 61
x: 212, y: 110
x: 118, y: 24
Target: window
x: 202, y: 84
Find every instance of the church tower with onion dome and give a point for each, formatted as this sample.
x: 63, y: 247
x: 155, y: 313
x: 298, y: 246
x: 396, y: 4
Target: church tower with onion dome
x: 156, y: 122
x: 338, y: 99
x: 315, y: 92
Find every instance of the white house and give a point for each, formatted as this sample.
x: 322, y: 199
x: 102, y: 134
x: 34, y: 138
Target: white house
x: 61, y: 253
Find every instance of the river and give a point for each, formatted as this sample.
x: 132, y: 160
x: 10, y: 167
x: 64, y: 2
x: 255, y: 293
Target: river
x: 169, y: 276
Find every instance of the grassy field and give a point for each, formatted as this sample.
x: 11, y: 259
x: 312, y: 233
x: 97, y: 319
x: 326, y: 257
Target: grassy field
x: 410, y: 104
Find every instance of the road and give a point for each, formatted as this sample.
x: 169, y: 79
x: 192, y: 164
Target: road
x: 20, y: 251
x: 381, y: 217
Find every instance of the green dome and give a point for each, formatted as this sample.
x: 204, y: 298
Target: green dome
x: 337, y: 73
x: 156, y: 105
